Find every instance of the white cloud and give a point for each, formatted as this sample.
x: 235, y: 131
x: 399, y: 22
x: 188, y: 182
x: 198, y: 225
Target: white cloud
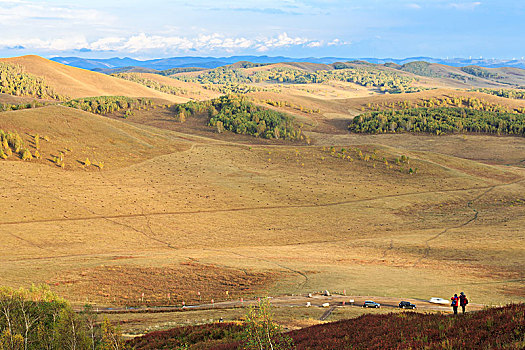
x: 338, y: 42
x: 282, y: 40
x: 16, y: 12
x: 465, y: 6
x: 169, y: 44
x: 105, y: 44
x: 315, y: 44
x: 414, y: 6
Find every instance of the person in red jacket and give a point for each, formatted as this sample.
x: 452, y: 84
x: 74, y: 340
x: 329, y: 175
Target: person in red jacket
x: 463, y: 301
x: 455, y: 303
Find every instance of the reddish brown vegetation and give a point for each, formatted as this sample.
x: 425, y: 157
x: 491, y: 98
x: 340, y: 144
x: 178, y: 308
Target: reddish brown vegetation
x: 124, y: 285
x: 195, y: 337
x: 495, y: 328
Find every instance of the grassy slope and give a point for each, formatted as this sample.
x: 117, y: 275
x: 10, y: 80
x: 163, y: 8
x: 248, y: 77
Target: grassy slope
x: 76, y: 82
x: 166, y: 198
x: 324, y: 223
x: 114, y: 142
x: 195, y: 90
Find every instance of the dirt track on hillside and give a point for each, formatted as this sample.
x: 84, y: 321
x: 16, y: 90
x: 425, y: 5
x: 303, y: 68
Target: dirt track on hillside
x: 268, y: 207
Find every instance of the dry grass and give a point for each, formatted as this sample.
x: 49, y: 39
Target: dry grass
x: 194, y: 91
x: 166, y: 285
x: 326, y: 223
x: 80, y: 135
x: 182, y: 199
x: 76, y: 82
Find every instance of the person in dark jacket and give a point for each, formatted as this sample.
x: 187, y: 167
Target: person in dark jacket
x: 463, y: 301
x: 455, y: 303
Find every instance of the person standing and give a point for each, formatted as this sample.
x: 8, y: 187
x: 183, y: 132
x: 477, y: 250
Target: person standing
x: 455, y: 303
x: 463, y: 301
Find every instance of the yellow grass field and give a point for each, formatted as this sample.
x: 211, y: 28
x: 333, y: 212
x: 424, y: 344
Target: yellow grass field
x: 321, y: 221
x: 75, y: 82
x: 179, y: 210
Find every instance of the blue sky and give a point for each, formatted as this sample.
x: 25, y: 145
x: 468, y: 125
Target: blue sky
x: 318, y: 28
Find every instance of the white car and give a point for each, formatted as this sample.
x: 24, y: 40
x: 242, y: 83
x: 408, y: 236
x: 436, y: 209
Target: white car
x: 439, y: 301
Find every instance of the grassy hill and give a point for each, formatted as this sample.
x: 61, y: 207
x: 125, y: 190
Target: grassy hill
x: 467, y: 76
x: 185, y: 90
x: 180, y: 208
x: 76, y: 82
x: 80, y: 136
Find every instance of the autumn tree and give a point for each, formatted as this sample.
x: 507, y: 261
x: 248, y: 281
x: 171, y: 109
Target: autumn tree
x: 261, y: 331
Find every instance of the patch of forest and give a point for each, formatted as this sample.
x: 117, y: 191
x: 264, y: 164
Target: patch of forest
x: 425, y: 69
x: 238, y: 115
x: 441, y: 120
x: 366, y: 76
x: 480, y: 72
x: 14, y: 81
x: 36, y: 318
x: 232, y: 88
x: 109, y: 104
x: 4, y: 107
x: 452, y: 101
x: 171, y: 71
x: 507, y: 93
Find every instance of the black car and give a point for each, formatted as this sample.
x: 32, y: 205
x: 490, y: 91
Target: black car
x: 406, y: 305
x: 370, y: 303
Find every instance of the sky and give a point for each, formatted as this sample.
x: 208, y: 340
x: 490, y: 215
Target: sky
x: 295, y: 28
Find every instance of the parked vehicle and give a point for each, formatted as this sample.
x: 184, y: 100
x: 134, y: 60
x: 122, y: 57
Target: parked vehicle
x: 370, y: 303
x: 439, y: 301
x: 406, y: 305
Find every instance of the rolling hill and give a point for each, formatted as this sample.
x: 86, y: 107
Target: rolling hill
x: 80, y: 135
x: 75, y: 82
x: 182, y: 207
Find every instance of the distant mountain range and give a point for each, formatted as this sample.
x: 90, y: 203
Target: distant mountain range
x: 214, y: 62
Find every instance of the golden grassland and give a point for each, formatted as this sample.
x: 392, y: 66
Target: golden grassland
x: 193, y: 90
x: 75, y: 82
x: 80, y: 135
x: 323, y: 221
x: 176, y: 204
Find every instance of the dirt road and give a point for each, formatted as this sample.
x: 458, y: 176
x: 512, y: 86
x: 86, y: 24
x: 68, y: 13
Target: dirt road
x: 293, y: 301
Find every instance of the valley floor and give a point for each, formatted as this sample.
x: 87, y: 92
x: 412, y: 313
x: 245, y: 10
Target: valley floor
x: 223, y: 217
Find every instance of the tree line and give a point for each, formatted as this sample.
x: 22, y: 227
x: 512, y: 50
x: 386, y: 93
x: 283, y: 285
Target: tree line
x: 439, y: 121
x: 480, y: 72
x: 507, y: 93
x: 4, y: 107
x: 232, y: 88
x: 454, y: 101
x: 425, y: 69
x: 108, y: 104
x: 288, y: 104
